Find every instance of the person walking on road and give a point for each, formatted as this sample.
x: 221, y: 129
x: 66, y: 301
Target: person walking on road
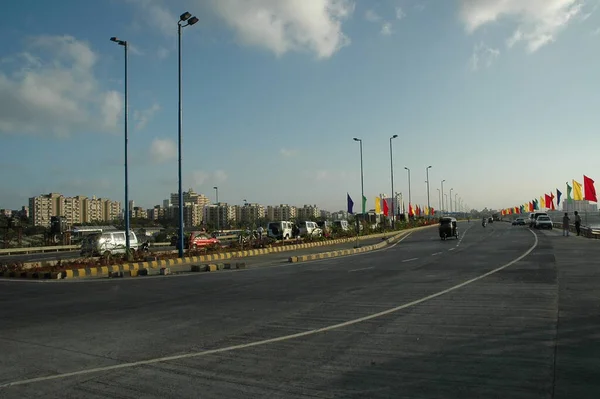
x: 577, y: 223
x: 566, y: 224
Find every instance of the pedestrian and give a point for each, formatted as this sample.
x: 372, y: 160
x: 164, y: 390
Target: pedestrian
x: 577, y: 222
x: 260, y: 232
x: 566, y: 224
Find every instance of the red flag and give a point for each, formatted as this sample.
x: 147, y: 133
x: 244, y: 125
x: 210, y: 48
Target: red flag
x: 589, y: 190
x: 552, y: 200
x: 410, y: 210
x: 431, y: 211
x: 386, y: 210
x: 547, y: 201
x: 517, y: 211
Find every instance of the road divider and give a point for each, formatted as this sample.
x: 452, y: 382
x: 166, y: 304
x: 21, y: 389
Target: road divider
x: 206, y: 262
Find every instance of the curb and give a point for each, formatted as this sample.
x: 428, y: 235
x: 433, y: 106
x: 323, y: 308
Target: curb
x: 346, y: 252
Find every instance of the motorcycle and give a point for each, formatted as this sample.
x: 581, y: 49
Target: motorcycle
x: 145, y: 247
x: 483, y: 224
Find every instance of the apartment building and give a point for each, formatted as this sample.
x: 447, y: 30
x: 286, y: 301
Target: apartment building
x: 308, y: 212
x: 220, y: 214
x: 249, y: 214
x: 189, y: 197
x: 76, y: 210
x: 281, y: 212
x: 157, y: 213
x: 138, y: 212
x: 193, y: 214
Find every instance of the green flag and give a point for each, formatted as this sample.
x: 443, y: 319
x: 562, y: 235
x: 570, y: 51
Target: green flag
x: 569, y: 188
x: 364, y: 204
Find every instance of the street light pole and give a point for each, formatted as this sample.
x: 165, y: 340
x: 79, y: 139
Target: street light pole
x: 126, y: 211
x: 446, y: 196
x: 218, y: 207
x: 392, y: 178
x: 455, y: 202
x: 451, y: 199
x: 362, y: 188
x: 443, y: 196
x: 189, y: 20
x: 440, y: 202
x: 428, y: 204
x: 409, y: 197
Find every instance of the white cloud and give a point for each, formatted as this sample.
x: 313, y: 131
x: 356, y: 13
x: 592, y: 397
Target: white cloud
x: 287, y: 152
x: 372, y: 16
x: 141, y: 118
x: 288, y: 25
x: 201, y: 177
x: 483, y: 56
x: 51, y: 88
x: 155, y: 15
x: 163, y: 150
x: 400, y: 13
x: 386, y: 29
x: 539, y: 21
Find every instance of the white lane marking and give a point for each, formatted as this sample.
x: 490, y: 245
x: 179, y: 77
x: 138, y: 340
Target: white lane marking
x: 451, y: 249
x: 409, y: 260
x: 462, y: 237
x: 364, y: 268
x: 436, y: 254
x: 276, y: 339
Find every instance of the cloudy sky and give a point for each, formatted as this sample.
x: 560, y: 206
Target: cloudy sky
x: 500, y: 97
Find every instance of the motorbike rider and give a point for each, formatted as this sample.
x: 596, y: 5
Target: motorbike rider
x: 483, y: 222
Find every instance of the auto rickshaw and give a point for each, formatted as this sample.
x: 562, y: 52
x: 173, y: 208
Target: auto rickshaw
x: 448, y: 228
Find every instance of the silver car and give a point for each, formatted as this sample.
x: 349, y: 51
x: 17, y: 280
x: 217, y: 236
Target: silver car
x: 543, y: 222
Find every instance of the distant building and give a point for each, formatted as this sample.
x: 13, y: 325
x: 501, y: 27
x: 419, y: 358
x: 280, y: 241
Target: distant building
x: 581, y: 206
x: 76, y: 210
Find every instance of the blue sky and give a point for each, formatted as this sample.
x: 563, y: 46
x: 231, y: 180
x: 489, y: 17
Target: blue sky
x: 499, y: 97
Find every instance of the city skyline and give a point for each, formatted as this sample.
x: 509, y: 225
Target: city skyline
x: 272, y: 113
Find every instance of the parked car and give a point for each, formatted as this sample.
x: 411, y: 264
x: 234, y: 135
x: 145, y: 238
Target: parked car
x: 308, y: 228
x: 112, y: 242
x: 199, y: 239
x: 518, y: 222
x: 543, y: 222
x: 533, y: 217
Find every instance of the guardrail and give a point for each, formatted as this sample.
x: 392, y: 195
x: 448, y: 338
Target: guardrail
x: 588, y: 232
x: 58, y: 248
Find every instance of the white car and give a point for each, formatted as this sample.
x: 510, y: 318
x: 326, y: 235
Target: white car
x: 543, y: 222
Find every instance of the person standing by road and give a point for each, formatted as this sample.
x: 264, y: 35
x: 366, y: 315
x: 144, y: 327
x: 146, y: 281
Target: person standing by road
x: 260, y: 231
x: 577, y: 222
x: 566, y: 224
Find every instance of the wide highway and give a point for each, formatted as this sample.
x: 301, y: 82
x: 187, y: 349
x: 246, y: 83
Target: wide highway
x: 503, y: 312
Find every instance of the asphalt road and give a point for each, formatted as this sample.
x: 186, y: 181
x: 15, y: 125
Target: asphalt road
x: 476, y: 317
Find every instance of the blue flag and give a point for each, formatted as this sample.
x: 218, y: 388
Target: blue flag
x: 558, y: 195
x: 350, y: 204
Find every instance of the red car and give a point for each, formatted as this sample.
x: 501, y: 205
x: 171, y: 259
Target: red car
x: 199, y: 239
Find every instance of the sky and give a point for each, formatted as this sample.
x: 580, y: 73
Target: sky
x: 499, y: 97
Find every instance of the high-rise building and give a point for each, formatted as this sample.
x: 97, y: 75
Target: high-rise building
x: 189, y: 197
x: 220, y: 214
x: 281, y: 212
x: 249, y: 214
x: 192, y: 214
x: 76, y: 210
x: 308, y: 212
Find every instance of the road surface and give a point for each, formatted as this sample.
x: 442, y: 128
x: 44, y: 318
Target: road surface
x: 503, y: 312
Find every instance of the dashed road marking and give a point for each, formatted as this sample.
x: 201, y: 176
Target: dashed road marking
x: 364, y: 268
x: 409, y: 260
x: 436, y: 254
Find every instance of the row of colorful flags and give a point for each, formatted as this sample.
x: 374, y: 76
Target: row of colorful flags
x: 384, y: 206
x: 575, y: 192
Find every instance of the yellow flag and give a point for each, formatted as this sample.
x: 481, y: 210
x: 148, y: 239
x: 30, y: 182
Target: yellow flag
x: 377, y: 205
x: 542, y: 201
x: 577, y: 194
x: 427, y: 211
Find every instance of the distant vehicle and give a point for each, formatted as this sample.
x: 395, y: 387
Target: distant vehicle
x: 308, y: 228
x: 533, y: 217
x: 341, y: 224
x: 108, y: 243
x: 281, y: 230
x: 199, y: 239
x: 448, y: 228
x: 543, y: 222
x: 518, y: 222
x: 490, y: 220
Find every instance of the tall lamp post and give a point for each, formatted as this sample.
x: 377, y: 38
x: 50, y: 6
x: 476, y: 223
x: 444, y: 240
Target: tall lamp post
x: 189, y: 20
x: 392, y: 178
x: 443, y: 196
x: 440, y: 202
x: 218, y: 207
x: 127, y: 227
x: 451, y: 199
x: 456, y: 209
x: 428, y: 204
x: 362, y: 188
x: 446, y: 196
x: 409, y: 197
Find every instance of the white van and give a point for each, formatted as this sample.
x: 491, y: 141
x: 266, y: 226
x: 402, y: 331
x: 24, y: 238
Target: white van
x: 341, y: 224
x: 309, y: 228
x: 281, y: 230
x: 112, y: 242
